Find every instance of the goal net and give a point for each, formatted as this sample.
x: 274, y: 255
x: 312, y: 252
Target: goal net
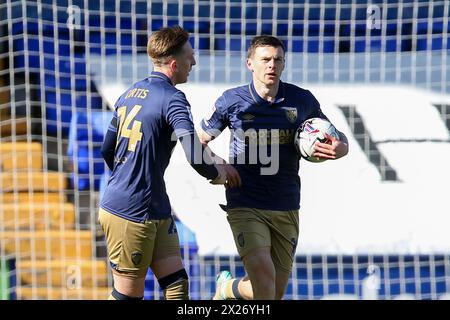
x: 380, y: 70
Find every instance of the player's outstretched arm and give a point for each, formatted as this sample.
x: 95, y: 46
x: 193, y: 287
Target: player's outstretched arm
x: 197, y: 158
x: 233, y: 177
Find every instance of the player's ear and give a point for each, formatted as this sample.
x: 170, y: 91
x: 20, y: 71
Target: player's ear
x: 173, y: 65
x: 249, y: 64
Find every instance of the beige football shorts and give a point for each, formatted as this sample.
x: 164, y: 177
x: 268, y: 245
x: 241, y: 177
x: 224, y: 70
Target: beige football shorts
x: 133, y: 246
x: 255, y: 228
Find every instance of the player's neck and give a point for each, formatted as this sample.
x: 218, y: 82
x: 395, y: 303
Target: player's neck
x: 167, y: 72
x: 266, y: 92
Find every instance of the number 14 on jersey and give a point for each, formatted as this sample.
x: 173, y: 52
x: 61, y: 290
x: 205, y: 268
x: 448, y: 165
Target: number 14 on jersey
x: 134, y: 134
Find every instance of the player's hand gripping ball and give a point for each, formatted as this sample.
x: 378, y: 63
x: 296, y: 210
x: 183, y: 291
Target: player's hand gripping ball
x: 311, y: 131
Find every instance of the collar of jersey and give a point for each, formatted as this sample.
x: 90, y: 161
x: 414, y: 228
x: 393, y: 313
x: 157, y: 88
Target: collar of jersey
x: 156, y: 74
x: 259, y: 100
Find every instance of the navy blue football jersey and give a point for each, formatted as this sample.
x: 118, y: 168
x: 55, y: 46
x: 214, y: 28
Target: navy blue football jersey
x: 262, y: 131
x: 148, y: 119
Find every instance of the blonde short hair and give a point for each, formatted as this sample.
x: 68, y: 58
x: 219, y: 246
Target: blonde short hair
x: 166, y: 43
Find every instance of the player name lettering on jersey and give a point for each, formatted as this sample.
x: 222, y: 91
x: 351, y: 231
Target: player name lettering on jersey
x: 137, y: 93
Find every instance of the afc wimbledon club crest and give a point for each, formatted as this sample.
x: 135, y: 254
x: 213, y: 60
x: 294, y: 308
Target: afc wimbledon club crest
x: 291, y: 114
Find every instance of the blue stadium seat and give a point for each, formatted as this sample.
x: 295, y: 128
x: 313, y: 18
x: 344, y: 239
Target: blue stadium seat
x: 283, y: 13
x: 361, y: 13
x: 375, y: 45
x: 235, y: 28
x: 406, y: 45
x: 172, y: 9
x: 360, y: 46
x: 85, y: 141
x: 297, y: 29
x: 173, y: 22
x: 282, y: 29
x: 422, y: 27
x: 235, y: 12
x: 329, y: 30
x: 59, y: 113
x: 32, y: 27
x: 438, y: 27
x: 330, y: 14
x: 219, y: 44
x: 203, y: 27
x: 391, y: 45
x: 360, y: 29
x: 203, y: 43
x: 345, y: 14
x: 235, y: 45
x: 313, y: 30
x: 391, y: 29
x: 314, y: 13
x: 297, y: 45
x: 188, y: 10
x: 328, y: 46
x: 219, y: 10
x: 345, y: 30
x: 156, y: 24
x: 34, y: 46
x: 421, y: 44
x: 48, y: 46
x: 219, y: 28
x: 266, y: 28
x: 64, y: 81
x: 422, y: 12
x: 157, y: 8
x: 436, y: 43
x: 250, y: 28
x: 313, y: 46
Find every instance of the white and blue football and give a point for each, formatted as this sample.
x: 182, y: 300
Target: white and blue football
x: 311, y: 131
